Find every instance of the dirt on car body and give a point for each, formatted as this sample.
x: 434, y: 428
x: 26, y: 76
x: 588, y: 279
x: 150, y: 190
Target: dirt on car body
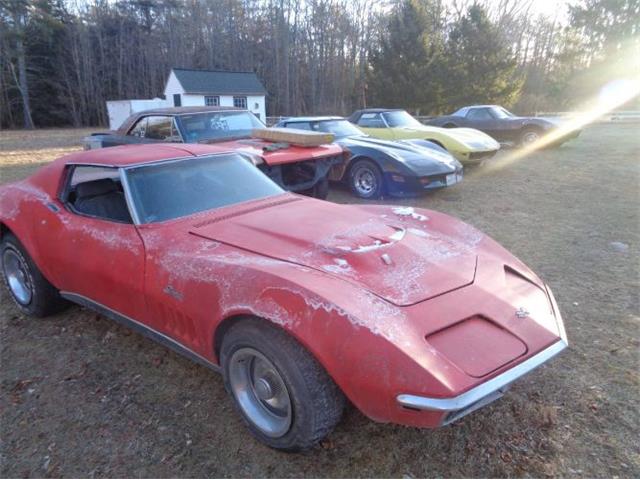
x: 82, y: 396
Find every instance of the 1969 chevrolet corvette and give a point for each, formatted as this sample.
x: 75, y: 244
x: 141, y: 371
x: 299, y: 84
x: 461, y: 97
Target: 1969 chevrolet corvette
x: 416, y: 317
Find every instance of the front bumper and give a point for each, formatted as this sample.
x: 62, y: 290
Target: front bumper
x: 453, y: 408
x: 565, y: 138
x: 406, y: 186
x: 476, y: 156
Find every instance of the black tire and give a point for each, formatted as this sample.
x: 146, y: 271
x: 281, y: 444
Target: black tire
x: 316, y: 402
x: 365, y: 179
x: 321, y: 189
x: 449, y: 125
x: 44, y: 299
x: 529, y: 136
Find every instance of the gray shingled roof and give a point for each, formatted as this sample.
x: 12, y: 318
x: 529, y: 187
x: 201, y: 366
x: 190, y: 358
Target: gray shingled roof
x: 212, y: 82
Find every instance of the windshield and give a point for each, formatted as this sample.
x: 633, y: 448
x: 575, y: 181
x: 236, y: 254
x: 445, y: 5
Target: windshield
x: 500, y: 112
x: 215, y: 126
x: 400, y: 118
x: 168, y: 190
x: 340, y: 128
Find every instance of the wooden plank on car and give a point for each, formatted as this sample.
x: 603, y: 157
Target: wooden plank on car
x: 293, y: 136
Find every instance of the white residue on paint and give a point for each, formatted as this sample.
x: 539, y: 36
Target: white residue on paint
x: 410, y: 212
x: 378, y: 316
x: 398, y: 235
x: 407, y: 281
x: 340, y: 266
x: 13, y: 196
x: 417, y: 232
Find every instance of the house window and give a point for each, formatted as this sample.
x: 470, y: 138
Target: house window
x: 240, y: 102
x: 212, y: 101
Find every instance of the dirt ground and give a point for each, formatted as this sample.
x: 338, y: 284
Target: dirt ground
x: 83, y: 397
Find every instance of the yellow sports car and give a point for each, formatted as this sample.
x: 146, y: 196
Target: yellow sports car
x: 466, y: 144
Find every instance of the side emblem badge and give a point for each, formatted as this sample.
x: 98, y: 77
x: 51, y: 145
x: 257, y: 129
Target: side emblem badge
x: 522, y: 313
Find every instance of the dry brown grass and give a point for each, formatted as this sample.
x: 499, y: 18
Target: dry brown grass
x: 81, y: 396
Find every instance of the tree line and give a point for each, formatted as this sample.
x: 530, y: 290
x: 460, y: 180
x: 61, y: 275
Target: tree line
x: 60, y: 60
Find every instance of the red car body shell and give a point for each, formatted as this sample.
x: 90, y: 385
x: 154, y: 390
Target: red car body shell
x: 389, y: 300
x: 279, y: 156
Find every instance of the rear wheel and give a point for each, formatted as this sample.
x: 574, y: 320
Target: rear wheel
x: 283, y: 394
x: 365, y: 179
x: 31, y: 292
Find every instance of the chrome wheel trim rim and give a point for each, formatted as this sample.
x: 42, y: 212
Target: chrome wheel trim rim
x: 530, y: 137
x: 17, y: 276
x: 260, y: 392
x: 365, y: 181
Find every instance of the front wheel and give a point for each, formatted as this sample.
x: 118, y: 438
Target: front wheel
x: 529, y: 137
x: 31, y: 292
x: 285, y: 397
x: 365, y: 179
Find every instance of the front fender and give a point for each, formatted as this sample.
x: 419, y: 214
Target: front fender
x: 384, y: 161
x: 365, y: 344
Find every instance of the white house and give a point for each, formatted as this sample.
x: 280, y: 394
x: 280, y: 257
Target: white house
x: 186, y: 87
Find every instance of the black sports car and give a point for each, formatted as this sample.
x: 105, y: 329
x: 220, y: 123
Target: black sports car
x: 502, y: 125
x: 381, y: 167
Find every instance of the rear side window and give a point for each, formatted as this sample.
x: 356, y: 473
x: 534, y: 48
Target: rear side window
x: 371, y: 120
x: 159, y: 128
x: 96, y: 192
x: 156, y: 128
x: 139, y: 128
x: 479, y: 114
x: 300, y: 125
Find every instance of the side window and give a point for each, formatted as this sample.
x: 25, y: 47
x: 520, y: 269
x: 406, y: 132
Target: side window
x: 96, y: 192
x: 240, y: 102
x: 139, y: 128
x: 371, y: 120
x: 160, y: 128
x: 300, y: 125
x: 479, y: 114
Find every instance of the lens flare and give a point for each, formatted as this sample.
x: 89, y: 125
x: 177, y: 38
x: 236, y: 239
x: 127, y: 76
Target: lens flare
x: 614, y: 94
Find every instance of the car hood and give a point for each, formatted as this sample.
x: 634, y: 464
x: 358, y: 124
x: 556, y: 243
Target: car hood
x: 279, y: 154
x: 413, y: 155
x: 470, y: 137
x: 396, y: 256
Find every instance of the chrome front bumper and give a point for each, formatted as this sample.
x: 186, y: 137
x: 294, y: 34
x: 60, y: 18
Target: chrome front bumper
x: 491, y: 390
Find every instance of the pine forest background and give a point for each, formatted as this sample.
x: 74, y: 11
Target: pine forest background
x: 60, y: 60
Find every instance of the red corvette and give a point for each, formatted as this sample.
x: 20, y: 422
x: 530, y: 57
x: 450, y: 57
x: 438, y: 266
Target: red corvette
x: 414, y: 316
